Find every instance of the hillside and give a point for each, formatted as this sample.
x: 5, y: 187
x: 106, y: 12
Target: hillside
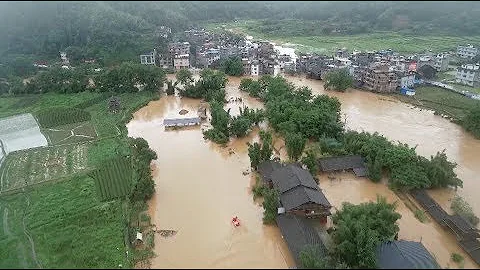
x: 118, y: 31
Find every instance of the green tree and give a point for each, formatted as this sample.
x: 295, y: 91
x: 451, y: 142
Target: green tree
x: 232, y: 66
x: 471, y: 122
x: 240, y: 126
x: 295, y: 143
x: 254, y: 153
x: 360, y: 228
x: 270, y: 205
x: 184, y: 76
x: 244, y: 84
x: 310, y: 160
x: 338, y: 80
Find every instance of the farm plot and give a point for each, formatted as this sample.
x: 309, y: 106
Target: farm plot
x: 59, y: 116
x: 71, y: 133
x: 20, y: 132
x: 113, y: 179
x: 39, y: 165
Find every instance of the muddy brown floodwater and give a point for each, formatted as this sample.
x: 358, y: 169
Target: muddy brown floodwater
x: 200, y: 186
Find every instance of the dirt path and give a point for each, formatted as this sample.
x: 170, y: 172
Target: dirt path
x: 32, y: 244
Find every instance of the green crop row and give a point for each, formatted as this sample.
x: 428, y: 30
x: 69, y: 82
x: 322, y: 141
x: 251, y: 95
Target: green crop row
x: 113, y: 179
x: 58, y: 116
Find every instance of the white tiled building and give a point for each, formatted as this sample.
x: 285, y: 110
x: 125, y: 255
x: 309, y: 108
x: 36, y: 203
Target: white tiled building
x: 181, y: 61
x: 469, y: 75
x: 467, y: 51
x: 148, y: 58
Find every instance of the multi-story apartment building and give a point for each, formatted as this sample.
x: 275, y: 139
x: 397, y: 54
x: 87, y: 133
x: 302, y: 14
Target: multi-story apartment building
x: 179, y: 48
x: 469, y: 75
x: 181, y: 61
x: 468, y: 51
x: 148, y: 58
x: 379, y: 78
x: 441, y: 61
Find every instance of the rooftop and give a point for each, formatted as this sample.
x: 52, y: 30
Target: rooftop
x: 298, y: 235
x: 404, y: 255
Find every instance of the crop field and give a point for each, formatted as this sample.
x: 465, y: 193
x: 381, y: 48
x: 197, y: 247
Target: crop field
x: 28, y: 167
x: 20, y: 132
x: 61, y: 225
x: 71, y: 133
x: 113, y: 179
x: 59, y: 116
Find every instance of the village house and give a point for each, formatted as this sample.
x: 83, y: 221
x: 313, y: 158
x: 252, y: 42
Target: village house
x: 404, y: 255
x: 298, y: 235
x: 468, y: 74
x: 468, y: 51
x: 299, y: 194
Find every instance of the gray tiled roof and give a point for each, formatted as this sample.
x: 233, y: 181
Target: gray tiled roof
x: 290, y: 176
x: 181, y: 121
x: 298, y: 234
x: 404, y: 255
x: 341, y: 163
x: 266, y: 168
x: 300, y: 195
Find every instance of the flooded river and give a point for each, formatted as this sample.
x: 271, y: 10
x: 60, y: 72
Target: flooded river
x: 200, y: 186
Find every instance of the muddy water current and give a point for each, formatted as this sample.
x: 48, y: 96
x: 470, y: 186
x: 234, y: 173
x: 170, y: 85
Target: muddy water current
x: 200, y: 186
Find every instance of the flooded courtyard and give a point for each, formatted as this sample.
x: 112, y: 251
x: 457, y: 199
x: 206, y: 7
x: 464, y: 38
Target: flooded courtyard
x: 201, y: 186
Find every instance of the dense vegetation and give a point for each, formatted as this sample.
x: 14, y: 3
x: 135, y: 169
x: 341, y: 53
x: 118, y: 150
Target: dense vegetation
x: 142, y: 155
x: 338, y: 80
x: 462, y: 208
x: 210, y: 87
x: 360, y: 228
x: 293, y: 112
x: 260, y: 151
x: 471, y: 122
x: 232, y: 66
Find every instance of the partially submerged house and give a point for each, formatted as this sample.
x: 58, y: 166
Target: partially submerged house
x: 181, y: 122
x: 266, y: 169
x: 404, y: 255
x: 299, y: 194
x: 299, y: 235
x: 354, y: 162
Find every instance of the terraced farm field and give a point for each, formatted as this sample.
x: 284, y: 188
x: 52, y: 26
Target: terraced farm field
x: 28, y: 167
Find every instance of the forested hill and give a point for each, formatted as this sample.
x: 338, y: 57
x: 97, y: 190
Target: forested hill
x: 122, y: 29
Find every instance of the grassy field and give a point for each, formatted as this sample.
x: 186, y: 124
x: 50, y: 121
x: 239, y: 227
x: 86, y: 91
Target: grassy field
x: 70, y: 133
x: 61, y: 225
x: 61, y: 222
x: 442, y: 101
x: 374, y: 41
